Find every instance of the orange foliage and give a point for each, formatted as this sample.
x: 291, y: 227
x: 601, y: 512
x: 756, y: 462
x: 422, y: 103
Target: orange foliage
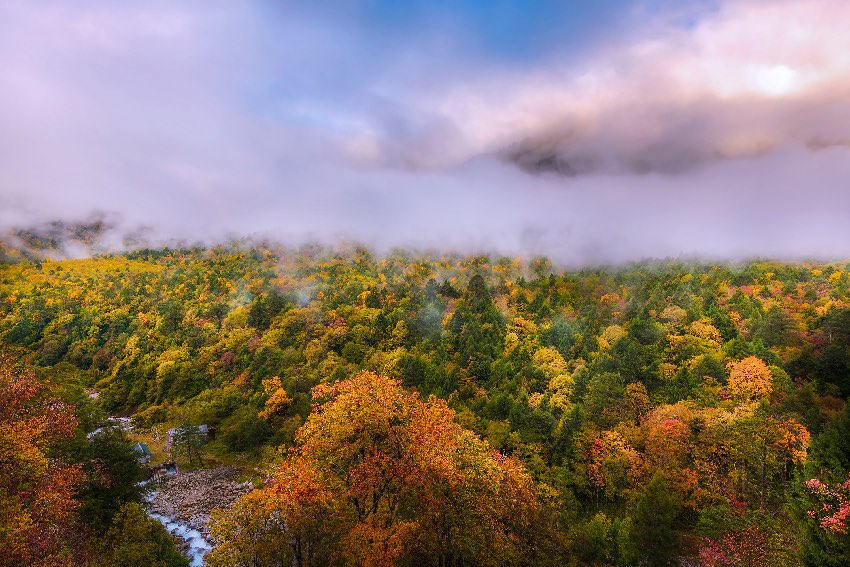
x: 278, y: 401
x: 794, y: 440
x: 750, y: 379
x: 667, y: 443
x: 36, y: 504
x: 379, y: 477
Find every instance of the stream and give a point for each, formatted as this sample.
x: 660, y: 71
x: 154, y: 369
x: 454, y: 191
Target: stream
x: 183, y: 503
x: 198, y: 546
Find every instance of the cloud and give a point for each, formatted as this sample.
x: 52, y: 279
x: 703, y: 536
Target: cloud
x: 719, y: 133
x: 742, y: 82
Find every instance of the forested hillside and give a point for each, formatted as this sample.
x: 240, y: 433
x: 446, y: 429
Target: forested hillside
x: 445, y: 410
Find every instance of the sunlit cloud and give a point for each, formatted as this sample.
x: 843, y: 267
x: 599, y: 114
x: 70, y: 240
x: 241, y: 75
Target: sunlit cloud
x: 751, y: 77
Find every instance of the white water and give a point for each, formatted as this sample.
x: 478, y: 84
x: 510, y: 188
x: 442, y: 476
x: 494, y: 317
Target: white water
x: 198, y: 546
x: 122, y: 423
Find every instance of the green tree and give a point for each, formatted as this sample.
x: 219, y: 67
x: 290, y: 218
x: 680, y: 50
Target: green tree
x: 776, y: 328
x: 829, y: 460
x: 654, y: 534
x: 187, y: 441
x: 248, y: 432
x: 136, y: 540
x: 112, y: 475
x: 603, y: 400
x: 477, y: 329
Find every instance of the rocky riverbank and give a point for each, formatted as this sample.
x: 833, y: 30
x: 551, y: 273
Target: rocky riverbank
x: 190, y: 496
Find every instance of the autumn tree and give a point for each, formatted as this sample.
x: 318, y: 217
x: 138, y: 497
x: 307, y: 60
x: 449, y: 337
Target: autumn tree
x: 834, y: 512
x: 560, y: 384
x: 612, y: 464
x: 294, y: 521
x: 37, y: 509
x: 278, y: 401
x: 825, y: 544
x: 750, y: 546
x: 379, y: 477
x: 750, y: 379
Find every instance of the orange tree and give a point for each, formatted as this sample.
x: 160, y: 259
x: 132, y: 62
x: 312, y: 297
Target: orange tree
x: 750, y: 379
x: 380, y: 477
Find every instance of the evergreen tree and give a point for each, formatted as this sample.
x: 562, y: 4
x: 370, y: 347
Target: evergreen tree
x: 113, y: 472
x: 654, y: 536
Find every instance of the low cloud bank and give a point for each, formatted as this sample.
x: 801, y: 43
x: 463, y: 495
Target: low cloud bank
x: 725, y: 138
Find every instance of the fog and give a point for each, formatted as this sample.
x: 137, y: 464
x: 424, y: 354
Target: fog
x: 720, y: 133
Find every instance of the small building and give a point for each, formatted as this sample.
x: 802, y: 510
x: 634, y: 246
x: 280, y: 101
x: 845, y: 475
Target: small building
x: 143, y: 452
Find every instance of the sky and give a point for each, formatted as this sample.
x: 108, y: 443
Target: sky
x: 591, y: 132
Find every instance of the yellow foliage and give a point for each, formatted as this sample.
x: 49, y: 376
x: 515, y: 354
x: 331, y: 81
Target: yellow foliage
x: 609, y: 336
x: 674, y: 315
x: 550, y: 361
x: 668, y: 370
x: 524, y: 326
x: 795, y: 440
x: 511, y: 341
x: 611, y: 448
x: 705, y: 330
x: 400, y: 333
x: 560, y: 389
x: 271, y: 385
x: 278, y: 401
x: 368, y: 448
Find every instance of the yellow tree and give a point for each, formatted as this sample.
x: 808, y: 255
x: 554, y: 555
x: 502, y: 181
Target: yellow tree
x: 553, y: 365
x: 278, y: 401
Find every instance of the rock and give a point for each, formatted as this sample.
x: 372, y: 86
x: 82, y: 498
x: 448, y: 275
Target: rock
x: 191, y: 496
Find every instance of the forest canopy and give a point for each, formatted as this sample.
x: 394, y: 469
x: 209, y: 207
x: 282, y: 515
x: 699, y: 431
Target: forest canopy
x: 413, y: 408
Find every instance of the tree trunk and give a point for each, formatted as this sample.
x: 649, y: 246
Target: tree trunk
x: 743, y: 489
x: 763, y: 480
